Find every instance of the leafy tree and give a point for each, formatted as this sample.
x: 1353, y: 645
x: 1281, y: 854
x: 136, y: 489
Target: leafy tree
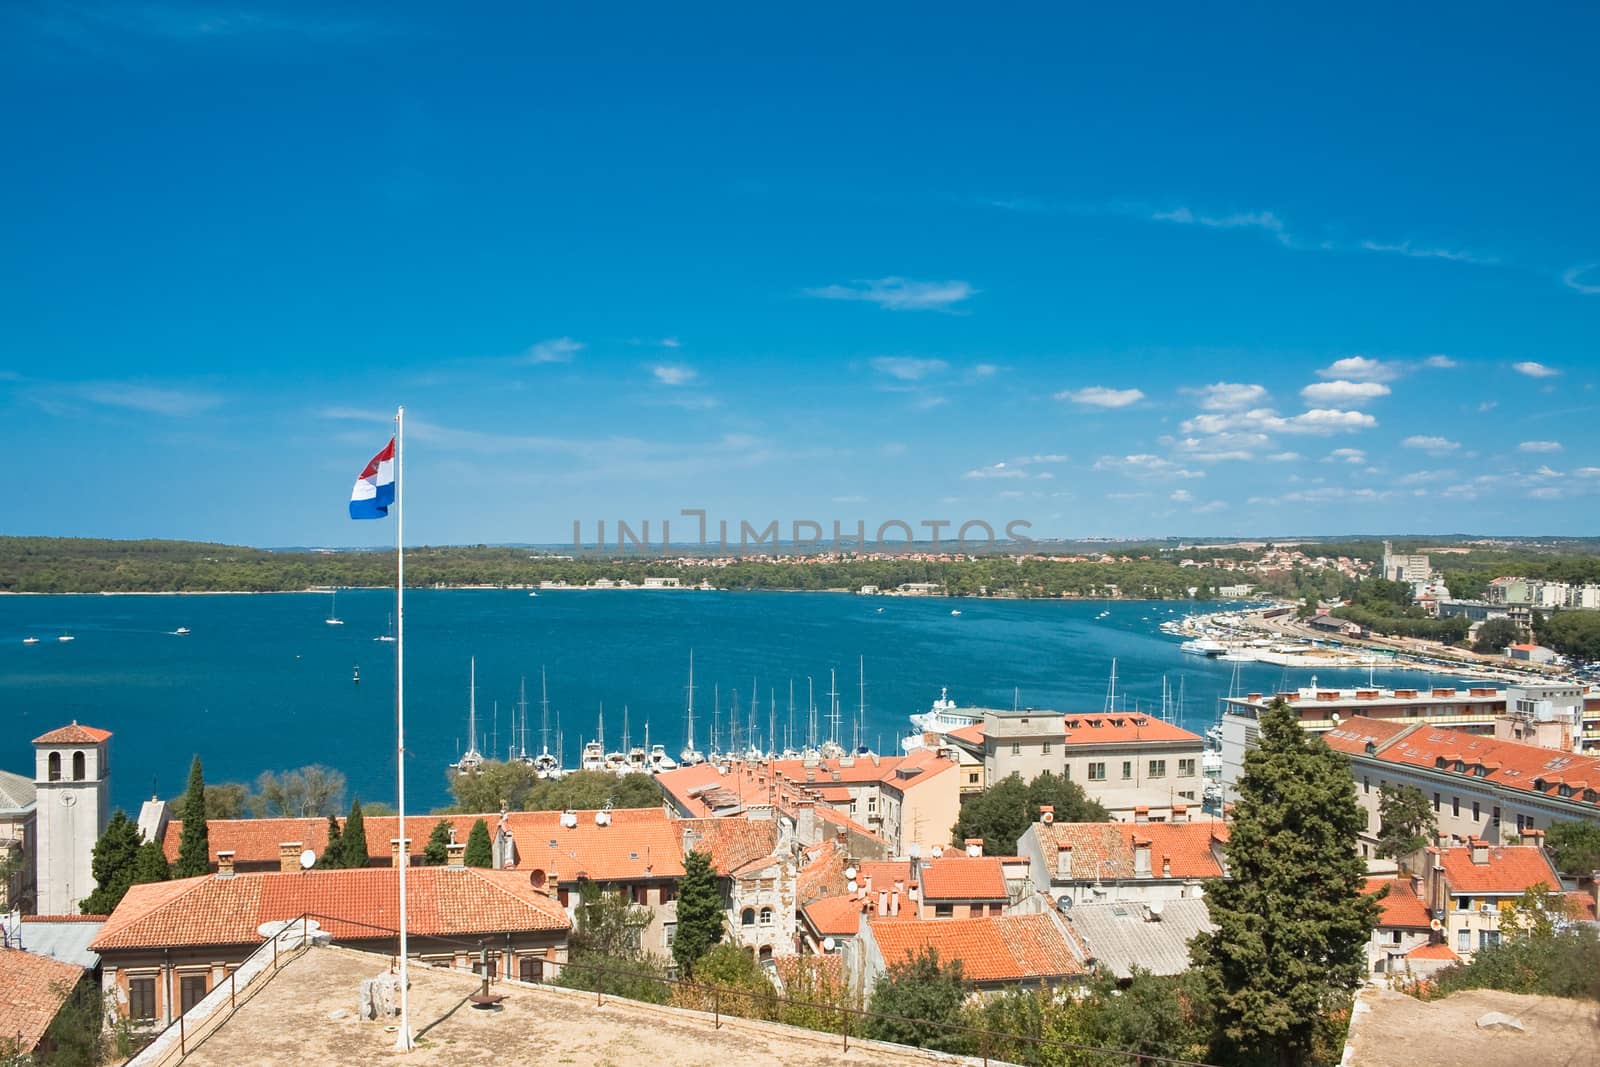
x: 1571, y: 633
x: 480, y: 849
x: 1495, y: 634
x: 194, y: 847
x: 150, y: 865
x: 920, y: 993
x: 332, y: 857
x: 605, y: 951
x: 514, y: 784
x: 1575, y: 848
x: 437, y: 852
x: 116, y: 854
x: 699, y: 912
x: 1291, y: 920
x: 353, y: 845
x: 1540, y: 952
x: 1406, y: 823
x: 1002, y: 813
x: 227, y: 800
x: 1153, y: 1016
x: 75, y: 1033
x: 743, y: 987
x: 300, y: 793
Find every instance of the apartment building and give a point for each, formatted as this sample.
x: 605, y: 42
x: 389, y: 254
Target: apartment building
x: 1106, y: 862
x: 1468, y: 889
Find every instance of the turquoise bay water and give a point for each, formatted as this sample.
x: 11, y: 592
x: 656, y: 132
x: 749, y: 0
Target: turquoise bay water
x: 262, y: 683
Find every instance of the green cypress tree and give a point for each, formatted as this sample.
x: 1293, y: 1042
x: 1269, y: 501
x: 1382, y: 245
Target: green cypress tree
x: 150, y: 865
x: 332, y: 856
x: 353, y: 846
x: 194, y: 848
x: 480, y: 850
x: 115, y: 856
x: 1291, y: 921
x: 699, y: 912
x: 437, y: 854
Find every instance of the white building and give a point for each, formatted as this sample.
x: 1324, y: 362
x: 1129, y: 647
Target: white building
x: 72, y: 776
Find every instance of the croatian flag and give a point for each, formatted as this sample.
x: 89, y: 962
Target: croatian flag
x: 374, y: 490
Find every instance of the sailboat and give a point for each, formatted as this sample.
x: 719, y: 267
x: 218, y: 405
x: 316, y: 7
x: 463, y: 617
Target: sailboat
x: 635, y: 757
x: 471, y: 759
x: 333, y: 613
x: 831, y: 748
x: 544, y: 764
x: 691, y: 755
x: 387, y: 638
x: 594, y: 752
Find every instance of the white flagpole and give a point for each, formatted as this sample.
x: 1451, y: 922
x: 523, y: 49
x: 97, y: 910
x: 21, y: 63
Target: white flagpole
x: 404, y: 857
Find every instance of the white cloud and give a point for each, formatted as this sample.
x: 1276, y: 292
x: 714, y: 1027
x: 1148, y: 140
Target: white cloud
x: 1534, y: 370
x: 555, y: 350
x: 1346, y: 455
x: 1440, y: 362
x: 1571, y: 279
x: 1144, y: 465
x: 1424, y: 477
x: 899, y: 294
x: 1182, y: 496
x: 984, y: 370
x: 1487, y: 406
x: 1282, y: 457
x: 674, y: 373
x: 1218, y: 448
x: 1229, y: 396
x: 1319, y: 421
x: 1328, y: 494
x: 1546, y: 471
x: 1254, y: 220
x: 1406, y: 248
x: 1343, y: 392
x: 671, y: 342
x: 1361, y: 369
x: 175, y: 403
x: 1548, y: 492
x: 1100, y: 396
x: 997, y: 470
x: 908, y: 368
x: 1051, y: 457
x: 1539, y: 446
x: 1127, y: 496
x: 1587, y: 472
x: 1209, y: 506
x: 1437, y: 446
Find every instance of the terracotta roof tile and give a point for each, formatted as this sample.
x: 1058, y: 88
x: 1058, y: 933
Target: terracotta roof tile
x: 838, y: 916
x: 1432, y: 952
x: 733, y: 843
x: 1402, y: 907
x: 348, y: 903
x: 960, y: 877
x: 35, y: 989
x: 1508, y: 869
x: 1105, y: 850
x: 991, y: 949
x: 73, y: 734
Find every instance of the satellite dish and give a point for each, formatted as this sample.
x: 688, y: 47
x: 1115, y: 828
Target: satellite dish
x: 937, y: 851
x: 308, y: 860
x: 1197, y: 891
x: 1335, y: 717
x: 828, y: 944
x: 1435, y: 925
x: 1156, y: 907
x: 1063, y: 903
x: 850, y: 873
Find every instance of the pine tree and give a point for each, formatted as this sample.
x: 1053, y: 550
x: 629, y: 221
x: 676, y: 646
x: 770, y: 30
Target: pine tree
x: 353, y: 846
x: 699, y: 912
x: 194, y: 848
x: 1405, y: 821
x: 437, y: 854
x: 480, y: 850
x: 1291, y: 921
x: 332, y: 856
x: 116, y: 854
x: 150, y: 865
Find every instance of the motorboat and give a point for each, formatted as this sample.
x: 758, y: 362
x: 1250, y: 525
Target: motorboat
x: 30, y: 640
x: 658, y: 760
x: 1203, y: 646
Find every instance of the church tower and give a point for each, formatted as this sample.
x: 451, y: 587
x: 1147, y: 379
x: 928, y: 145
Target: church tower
x: 73, y: 777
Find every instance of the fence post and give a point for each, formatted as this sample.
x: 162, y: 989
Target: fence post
x: 985, y: 1048
x: 233, y: 991
x: 845, y: 1012
x: 274, y: 954
x: 183, y: 1038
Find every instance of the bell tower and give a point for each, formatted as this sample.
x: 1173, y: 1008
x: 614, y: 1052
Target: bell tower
x: 73, y: 778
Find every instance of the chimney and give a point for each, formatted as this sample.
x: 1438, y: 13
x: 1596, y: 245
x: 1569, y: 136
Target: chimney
x: 1141, y: 857
x: 225, y: 863
x: 399, y: 852
x: 456, y: 854
x: 974, y: 846
x: 1180, y: 813
x: 1064, y: 863
x: 1480, y: 852
x: 894, y: 901
x: 289, y: 856
x: 883, y: 902
x: 1533, y: 837
x: 805, y: 821
x: 1166, y: 865
x: 1047, y: 813
x: 1141, y: 813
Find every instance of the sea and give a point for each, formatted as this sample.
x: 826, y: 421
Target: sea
x: 261, y: 682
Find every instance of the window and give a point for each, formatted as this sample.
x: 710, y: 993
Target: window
x: 872, y: 805
x: 1186, y: 768
x: 766, y: 916
x: 1158, y: 768
x: 1494, y: 816
x: 1366, y: 783
x: 1477, y: 811
x: 78, y: 773
x: 1455, y: 807
x: 55, y: 766
x: 1463, y: 940
x: 1016, y: 748
x: 1436, y: 802
x: 943, y: 911
x: 1127, y: 769
x: 668, y: 892
x: 531, y: 968
x: 671, y: 931
x: 191, y: 990
x: 1097, y: 772
x: 747, y: 917
x: 1395, y: 937
x: 972, y: 779
x: 1045, y: 748
x: 641, y: 895
x: 1488, y: 938
x: 1066, y: 771
x: 141, y: 991
x: 1463, y: 903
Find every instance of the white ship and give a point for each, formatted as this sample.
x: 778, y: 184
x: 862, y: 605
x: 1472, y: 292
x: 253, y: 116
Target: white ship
x: 1203, y: 646
x: 944, y: 716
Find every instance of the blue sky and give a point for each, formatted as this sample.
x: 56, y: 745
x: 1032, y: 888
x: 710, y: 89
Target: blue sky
x: 1182, y: 272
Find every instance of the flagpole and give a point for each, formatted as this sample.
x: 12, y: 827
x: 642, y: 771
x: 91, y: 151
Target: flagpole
x: 403, y: 858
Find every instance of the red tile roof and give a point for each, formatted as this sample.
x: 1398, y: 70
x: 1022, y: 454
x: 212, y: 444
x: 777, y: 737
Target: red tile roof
x: 733, y: 843
x: 1105, y: 850
x: 991, y: 949
x: 440, y: 901
x: 838, y: 916
x: 884, y: 873
x: 1098, y: 729
x: 638, y: 843
x: 1357, y: 732
x: 1507, y: 870
x: 1432, y: 952
x: 73, y: 735
x: 1402, y: 907
x: 35, y: 989
x: 962, y: 877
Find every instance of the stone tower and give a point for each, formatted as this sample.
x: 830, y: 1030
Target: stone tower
x: 73, y: 777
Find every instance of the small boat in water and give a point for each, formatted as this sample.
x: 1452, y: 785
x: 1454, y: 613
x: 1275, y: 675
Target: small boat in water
x: 387, y: 638
x: 1203, y: 646
x: 64, y: 638
x: 182, y: 631
x: 30, y: 640
x: 333, y: 615
x: 356, y: 677
x: 955, y: 611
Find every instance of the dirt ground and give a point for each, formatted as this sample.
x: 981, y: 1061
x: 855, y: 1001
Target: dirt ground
x: 292, y: 1021
x: 1400, y: 1031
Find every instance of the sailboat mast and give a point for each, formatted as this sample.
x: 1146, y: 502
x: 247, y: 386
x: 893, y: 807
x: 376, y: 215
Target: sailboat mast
x: 833, y: 705
x: 522, y: 707
x: 472, y: 707
x: 544, y: 712
x: 716, y: 715
x: 861, y: 702
x: 811, y: 713
x: 788, y: 740
x: 690, y: 746
x: 772, y: 722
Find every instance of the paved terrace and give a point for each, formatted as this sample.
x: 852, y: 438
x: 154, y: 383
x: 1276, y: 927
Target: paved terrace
x: 291, y: 1021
